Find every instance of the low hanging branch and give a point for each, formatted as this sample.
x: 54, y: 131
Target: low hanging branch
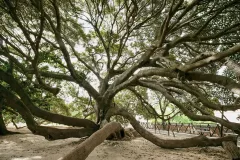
x: 231, y: 125
x: 199, y: 141
x: 49, y: 133
x: 36, y: 111
x: 82, y: 151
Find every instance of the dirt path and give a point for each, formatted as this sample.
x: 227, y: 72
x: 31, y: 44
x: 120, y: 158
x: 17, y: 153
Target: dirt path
x: 31, y: 147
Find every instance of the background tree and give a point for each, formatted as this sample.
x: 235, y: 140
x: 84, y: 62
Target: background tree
x: 167, y: 111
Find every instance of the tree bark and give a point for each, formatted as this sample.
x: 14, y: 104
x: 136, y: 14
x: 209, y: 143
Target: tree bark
x: 233, y: 66
x: 82, y: 151
x: 192, y: 75
x: 48, y: 132
x: 3, y: 129
x: 232, y: 150
x: 54, y: 133
x: 56, y: 118
x: 164, y: 124
x: 199, y: 141
x: 211, y: 59
x: 231, y: 125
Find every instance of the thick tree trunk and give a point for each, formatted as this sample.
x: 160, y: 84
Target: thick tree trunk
x: 52, y: 117
x: 103, y: 107
x: 3, y: 129
x: 164, y: 124
x: 199, y: 141
x: 82, y: 151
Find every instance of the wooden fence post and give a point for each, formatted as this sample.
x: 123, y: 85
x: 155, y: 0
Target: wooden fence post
x: 221, y: 124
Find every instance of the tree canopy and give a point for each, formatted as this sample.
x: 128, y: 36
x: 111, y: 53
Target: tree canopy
x: 113, y: 52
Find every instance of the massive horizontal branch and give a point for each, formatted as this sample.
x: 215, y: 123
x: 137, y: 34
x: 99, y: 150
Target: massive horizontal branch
x: 201, y: 97
x: 56, y: 118
x: 216, y: 57
x: 221, y: 80
x: 197, y: 76
x: 48, y: 132
x: 199, y: 141
x: 51, y: 133
x: 231, y: 125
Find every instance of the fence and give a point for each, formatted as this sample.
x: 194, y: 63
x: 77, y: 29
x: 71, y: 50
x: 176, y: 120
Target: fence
x: 212, y: 130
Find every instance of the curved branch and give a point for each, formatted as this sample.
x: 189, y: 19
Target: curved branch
x: 128, y: 73
x: 203, y: 99
x: 217, y: 57
x: 221, y: 80
x: 231, y: 125
x: 176, y: 143
x: 48, y: 132
x: 82, y: 151
x: 57, y: 32
x: 40, y: 112
x: 197, y: 76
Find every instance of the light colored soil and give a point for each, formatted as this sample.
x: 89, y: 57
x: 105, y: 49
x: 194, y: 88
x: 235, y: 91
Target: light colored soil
x: 27, y: 146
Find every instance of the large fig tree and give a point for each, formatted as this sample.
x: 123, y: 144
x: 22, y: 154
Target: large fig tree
x: 109, y: 47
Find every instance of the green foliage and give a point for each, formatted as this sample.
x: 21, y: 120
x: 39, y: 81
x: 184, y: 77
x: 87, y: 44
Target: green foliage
x: 101, y: 46
x: 181, y: 119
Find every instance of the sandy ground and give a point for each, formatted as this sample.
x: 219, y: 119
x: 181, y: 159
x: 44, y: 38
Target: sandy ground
x: 27, y: 146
